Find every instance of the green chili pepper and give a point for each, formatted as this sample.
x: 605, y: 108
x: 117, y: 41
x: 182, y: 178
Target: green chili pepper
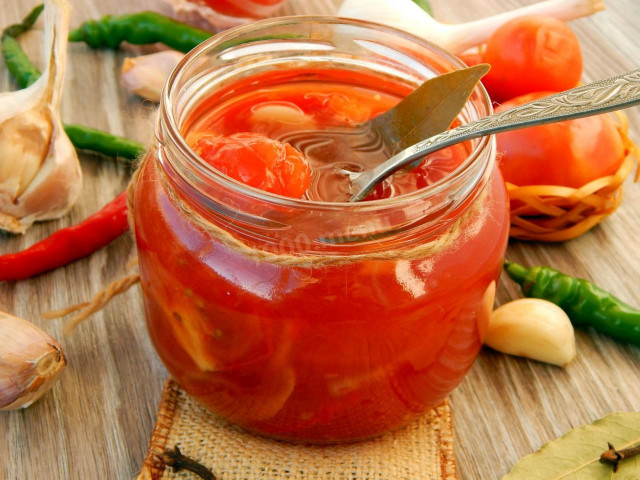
x: 26, y: 24
x: 139, y: 28
x: 26, y: 73
x: 586, y: 304
x: 86, y: 138
x: 424, y: 4
x: 17, y: 61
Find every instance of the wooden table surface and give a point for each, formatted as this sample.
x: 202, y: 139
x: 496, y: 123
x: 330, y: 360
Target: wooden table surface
x: 97, y: 421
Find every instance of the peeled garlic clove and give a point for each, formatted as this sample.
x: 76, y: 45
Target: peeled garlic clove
x: 40, y: 176
x: 30, y: 362
x: 286, y: 113
x: 146, y: 75
x: 532, y: 328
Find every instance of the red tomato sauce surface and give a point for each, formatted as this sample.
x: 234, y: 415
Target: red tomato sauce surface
x: 320, y: 119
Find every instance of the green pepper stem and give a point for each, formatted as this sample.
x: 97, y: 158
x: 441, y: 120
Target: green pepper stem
x: 27, y: 23
x: 515, y: 271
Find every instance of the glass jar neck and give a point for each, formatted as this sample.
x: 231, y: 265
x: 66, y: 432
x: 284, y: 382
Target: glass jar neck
x: 212, y: 72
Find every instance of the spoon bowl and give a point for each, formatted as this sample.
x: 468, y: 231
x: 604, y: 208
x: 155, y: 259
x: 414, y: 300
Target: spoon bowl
x: 429, y: 109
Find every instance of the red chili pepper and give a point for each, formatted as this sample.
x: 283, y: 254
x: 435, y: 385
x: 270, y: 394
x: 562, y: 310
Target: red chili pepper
x: 68, y: 244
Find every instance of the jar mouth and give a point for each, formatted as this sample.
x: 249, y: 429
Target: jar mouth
x: 170, y: 102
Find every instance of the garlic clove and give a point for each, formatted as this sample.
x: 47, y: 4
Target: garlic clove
x: 532, y: 328
x: 286, y: 113
x: 146, y: 75
x: 40, y: 176
x: 30, y: 362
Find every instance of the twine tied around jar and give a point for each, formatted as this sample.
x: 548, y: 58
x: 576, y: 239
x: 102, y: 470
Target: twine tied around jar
x: 442, y: 241
x: 435, y: 246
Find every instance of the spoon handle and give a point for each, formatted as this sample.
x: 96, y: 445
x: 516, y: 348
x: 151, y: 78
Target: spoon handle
x: 613, y: 93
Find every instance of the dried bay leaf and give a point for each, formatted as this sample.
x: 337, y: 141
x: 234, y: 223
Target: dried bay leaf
x: 576, y: 455
x: 429, y: 109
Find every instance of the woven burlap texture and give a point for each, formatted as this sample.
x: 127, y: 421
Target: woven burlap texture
x: 421, y: 451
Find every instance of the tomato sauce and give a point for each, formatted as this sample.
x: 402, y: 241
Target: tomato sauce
x: 334, y: 353
x: 320, y: 119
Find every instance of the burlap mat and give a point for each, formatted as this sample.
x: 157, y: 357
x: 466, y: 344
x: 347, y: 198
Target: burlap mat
x: 421, y: 451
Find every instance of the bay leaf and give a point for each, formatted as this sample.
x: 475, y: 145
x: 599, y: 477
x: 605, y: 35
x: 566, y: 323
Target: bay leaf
x: 576, y: 455
x: 429, y: 109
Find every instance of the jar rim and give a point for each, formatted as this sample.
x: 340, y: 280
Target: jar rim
x: 167, y: 115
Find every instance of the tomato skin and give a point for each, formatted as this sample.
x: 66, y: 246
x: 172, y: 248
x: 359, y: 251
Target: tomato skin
x: 532, y: 54
x: 570, y: 153
x: 471, y: 58
x: 257, y: 161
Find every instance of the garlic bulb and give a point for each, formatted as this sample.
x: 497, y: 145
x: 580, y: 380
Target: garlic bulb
x: 408, y: 16
x: 40, y: 175
x: 30, y: 362
x: 146, y: 75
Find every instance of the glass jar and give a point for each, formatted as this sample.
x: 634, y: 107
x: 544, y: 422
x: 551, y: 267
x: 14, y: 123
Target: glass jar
x: 314, y: 321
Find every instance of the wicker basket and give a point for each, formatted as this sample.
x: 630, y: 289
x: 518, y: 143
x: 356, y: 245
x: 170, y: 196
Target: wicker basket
x: 551, y: 213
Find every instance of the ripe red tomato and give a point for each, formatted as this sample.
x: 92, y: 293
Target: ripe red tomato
x: 257, y: 161
x: 471, y: 58
x: 570, y: 153
x: 532, y: 54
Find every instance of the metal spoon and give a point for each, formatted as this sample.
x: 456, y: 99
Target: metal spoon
x: 613, y: 93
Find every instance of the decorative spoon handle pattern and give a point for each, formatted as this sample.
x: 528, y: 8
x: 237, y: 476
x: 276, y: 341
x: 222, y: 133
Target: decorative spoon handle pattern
x: 613, y: 93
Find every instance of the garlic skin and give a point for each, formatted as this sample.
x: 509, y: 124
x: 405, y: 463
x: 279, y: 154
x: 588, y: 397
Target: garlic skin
x: 146, y: 75
x: 408, y: 16
x: 203, y: 16
x: 532, y: 328
x: 40, y: 176
x: 30, y: 362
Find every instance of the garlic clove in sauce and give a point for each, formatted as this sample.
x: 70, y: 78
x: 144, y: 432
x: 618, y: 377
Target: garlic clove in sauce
x: 30, y: 362
x: 40, y: 176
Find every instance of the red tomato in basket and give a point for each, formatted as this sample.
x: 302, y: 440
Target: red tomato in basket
x: 570, y: 153
x: 257, y: 161
x: 532, y: 54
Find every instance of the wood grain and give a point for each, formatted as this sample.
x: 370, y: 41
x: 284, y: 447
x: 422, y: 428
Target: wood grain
x: 97, y: 421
